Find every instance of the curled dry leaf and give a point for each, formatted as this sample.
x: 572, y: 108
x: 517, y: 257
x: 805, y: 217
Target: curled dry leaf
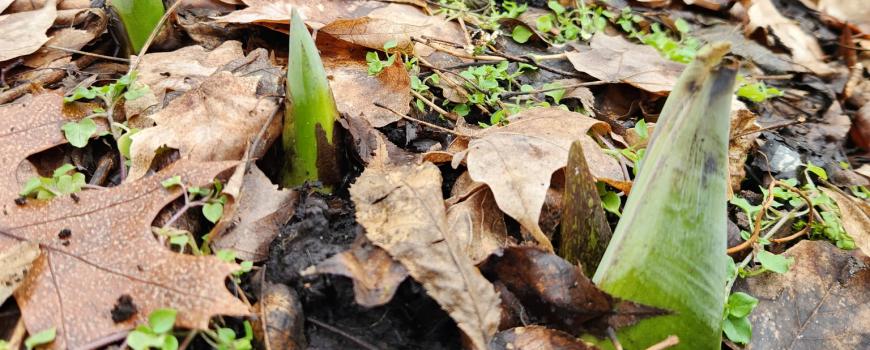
x: 371, y: 146
x: 822, y: 302
x: 403, y: 212
x: 612, y: 58
x: 214, y: 121
x: 805, y: 49
x: 476, y: 221
x: 536, y: 338
x: 741, y: 141
x: 501, y: 156
x: 257, y: 212
x: 376, y: 276
x: 856, y: 218
x: 557, y: 294
x: 23, y: 33
x: 281, y: 322
x: 346, y: 64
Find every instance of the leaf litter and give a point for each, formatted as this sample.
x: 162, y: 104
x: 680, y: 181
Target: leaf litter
x: 475, y: 236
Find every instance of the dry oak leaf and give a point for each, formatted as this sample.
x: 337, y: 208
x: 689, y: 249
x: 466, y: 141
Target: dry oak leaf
x: 537, y: 338
x: 23, y: 33
x: 822, y: 302
x: 403, y: 212
x: 476, y: 220
x: 315, y: 13
x: 258, y: 211
x: 376, y: 276
x: 856, y: 218
x: 805, y: 49
x: 346, y: 64
x: 74, y: 284
x: 517, y: 161
x: 612, y: 58
x: 214, y: 121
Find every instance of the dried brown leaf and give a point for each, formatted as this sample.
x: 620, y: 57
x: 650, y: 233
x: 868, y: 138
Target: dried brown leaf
x: 537, y: 338
x: 376, y: 276
x: 805, y: 49
x: 14, y: 264
x: 403, y: 212
x: 23, y: 33
x: 822, y: 302
x: 612, y: 58
x: 259, y: 209
x: 742, y: 140
x: 214, y: 121
x: 281, y: 320
x: 856, y: 218
x: 517, y: 160
x: 315, y: 13
x: 478, y: 224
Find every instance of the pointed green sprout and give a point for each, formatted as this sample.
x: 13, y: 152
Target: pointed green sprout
x: 310, y: 114
x: 139, y: 18
x: 668, y: 250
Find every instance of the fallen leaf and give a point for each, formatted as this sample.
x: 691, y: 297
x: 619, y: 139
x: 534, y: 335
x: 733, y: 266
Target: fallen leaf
x: 214, y: 121
x: 4, y: 4
x: 612, y: 58
x: 178, y: 71
x: 477, y: 223
x: 75, y: 283
x: 536, y: 338
x: 856, y: 218
x: 376, y: 276
x: 557, y: 294
x: 280, y: 324
x: 371, y: 146
x: 31, y: 5
x: 746, y: 48
x: 316, y: 14
x: 500, y: 157
x: 23, y: 33
x: 403, y: 212
x: 805, y: 50
x: 822, y: 302
x: 14, y: 264
x: 742, y: 139
x: 346, y: 64
x: 853, y: 12
x: 68, y: 38
x: 259, y: 209
x: 713, y: 5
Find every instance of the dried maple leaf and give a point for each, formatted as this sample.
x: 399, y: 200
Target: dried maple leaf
x: 517, y: 160
x: 403, y: 212
x: 822, y: 302
x: 612, y: 58
x: 214, y: 121
x: 24, y: 32
x: 110, y: 250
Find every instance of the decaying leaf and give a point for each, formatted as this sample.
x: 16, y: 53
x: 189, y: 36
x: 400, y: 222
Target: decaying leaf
x: 536, y: 338
x: 376, y: 276
x: 822, y: 302
x: 315, y: 13
x: 805, y: 49
x: 613, y: 58
x: 69, y: 38
x: 403, y: 212
x: 14, y: 264
x: 259, y: 209
x: 371, y: 146
x: 555, y: 293
x: 500, y: 158
x: 856, y: 218
x: 24, y: 32
x: 854, y: 12
x: 214, y: 121
x: 280, y: 324
x: 742, y: 139
x: 746, y: 48
x: 346, y: 64
x: 477, y: 222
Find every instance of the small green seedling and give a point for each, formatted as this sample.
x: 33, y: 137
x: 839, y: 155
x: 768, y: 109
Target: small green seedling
x: 230, y: 256
x: 41, y: 338
x: 376, y: 66
x: 736, y: 323
x: 225, y: 338
x: 79, y: 132
x: 65, y: 180
x: 758, y: 92
x: 157, y: 334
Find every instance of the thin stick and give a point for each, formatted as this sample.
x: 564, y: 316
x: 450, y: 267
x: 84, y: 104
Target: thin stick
x: 342, y: 333
x: 440, y: 110
x: 571, y: 86
x: 111, y: 58
x: 531, y: 61
x: 457, y: 53
x: 670, y: 341
x: 612, y: 335
x: 810, y: 218
x: 771, y: 127
x: 109, y: 339
x: 441, y: 128
x: 756, y: 229
x: 17, y: 334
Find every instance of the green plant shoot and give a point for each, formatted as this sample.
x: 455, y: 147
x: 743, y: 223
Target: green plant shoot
x: 309, y: 115
x: 139, y: 17
x: 667, y: 249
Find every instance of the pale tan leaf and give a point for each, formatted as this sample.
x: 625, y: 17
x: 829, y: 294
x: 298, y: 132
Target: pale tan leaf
x: 260, y: 209
x: 69, y: 38
x: 14, y: 264
x: 478, y: 223
x: 315, y: 13
x: 805, y: 49
x: 403, y: 212
x: 517, y: 160
x: 613, y: 58
x: 856, y: 218
x: 4, y: 4
x: 23, y: 33
x: 742, y: 139
x: 822, y: 302
x: 214, y: 121
x: 281, y: 321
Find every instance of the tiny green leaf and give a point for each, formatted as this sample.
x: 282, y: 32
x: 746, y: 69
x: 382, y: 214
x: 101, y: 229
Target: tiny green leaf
x: 739, y: 330
x: 682, y: 26
x: 162, y: 320
x: 555, y: 94
x: 819, y: 171
x: 775, y: 263
x: 521, y: 34
x: 741, y: 304
x: 40, y: 338
x: 139, y: 339
x: 226, y: 255
x: 544, y: 23
x: 610, y: 202
x: 63, y: 169
x: 390, y: 44
x: 80, y: 93
x: 125, y: 141
x: 213, y: 211
x: 78, y: 133
x: 641, y: 129
x: 172, y: 181
x: 32, y: 184
x: 556, y: 7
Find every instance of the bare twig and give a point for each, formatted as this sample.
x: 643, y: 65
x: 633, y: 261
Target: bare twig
x: 570, y: 86
x: 153, y: 35
x: 441, y: 128
x: 111, y: 58
x: 670, y: 341
x: 429, y: 103
x: 756, y: 229
x: 810, y: 216
x: 612, y: 335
